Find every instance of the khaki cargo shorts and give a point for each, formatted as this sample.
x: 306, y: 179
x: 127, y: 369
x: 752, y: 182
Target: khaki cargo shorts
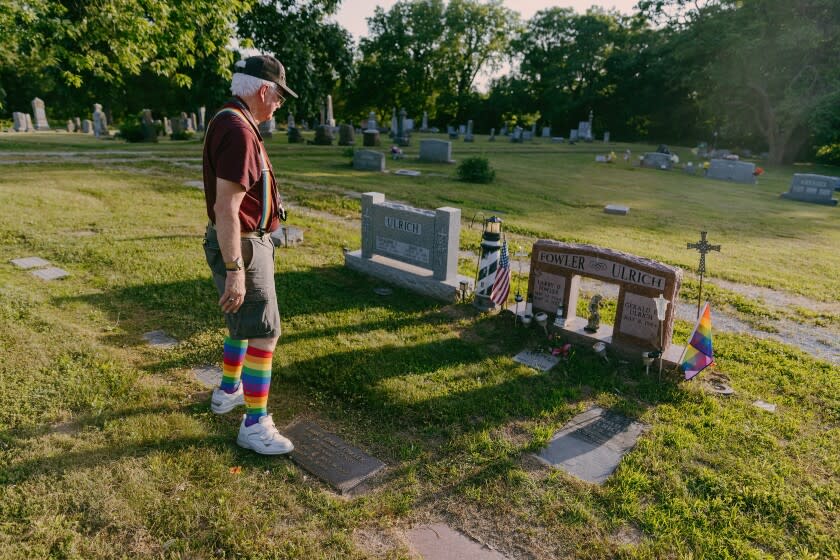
x: 259, y: 316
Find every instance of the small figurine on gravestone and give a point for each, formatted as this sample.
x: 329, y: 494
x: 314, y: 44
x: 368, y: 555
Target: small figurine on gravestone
x: 396, y: 152
x: 594, y: 315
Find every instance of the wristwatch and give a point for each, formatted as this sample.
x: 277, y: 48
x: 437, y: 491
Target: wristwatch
x: 235, y: 264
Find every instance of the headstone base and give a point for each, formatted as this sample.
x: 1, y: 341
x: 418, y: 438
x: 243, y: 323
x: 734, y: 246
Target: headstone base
x: 414, y: 278
x: 574, y: 331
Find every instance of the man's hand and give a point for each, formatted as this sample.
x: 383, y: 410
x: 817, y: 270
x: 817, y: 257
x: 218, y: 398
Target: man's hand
x: 234, y: 294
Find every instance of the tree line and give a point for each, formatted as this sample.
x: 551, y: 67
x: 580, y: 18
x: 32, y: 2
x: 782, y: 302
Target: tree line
x: 758, y: 74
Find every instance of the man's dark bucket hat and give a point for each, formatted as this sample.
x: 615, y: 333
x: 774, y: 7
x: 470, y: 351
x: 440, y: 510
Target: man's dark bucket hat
x: 265, y: 67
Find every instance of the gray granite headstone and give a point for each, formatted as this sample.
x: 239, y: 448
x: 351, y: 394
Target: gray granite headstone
x: 40, y: 115
x: 546, y: 132
x: 540, y: 361
x: 209, y: 375
x: 51, y: 273
x: 806, y: 187
x: 370, y: 138
x: 78, y: 122
x: 436, y: 151
x: 616, y: 209
x: 346, y: 135
x: 30, y: 262
x: 606, y: 137
x: 100, y: 121
x: 29, y: 126
x: 657, y: 160
x: 87, y: 126
x: 592, y: 444
x: 19, y: 122
x: 267, y: 127
x: 160, y: 339
x: 440, y: 542
x: 573, y: 135
x: 368, y: 160
x: 730, y: 170
x: 329, y: 457
x: 468, y: 135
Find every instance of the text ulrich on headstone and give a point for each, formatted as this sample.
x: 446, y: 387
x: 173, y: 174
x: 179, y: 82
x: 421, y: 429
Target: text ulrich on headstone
x: 411, y: 247
x: 556, y: 270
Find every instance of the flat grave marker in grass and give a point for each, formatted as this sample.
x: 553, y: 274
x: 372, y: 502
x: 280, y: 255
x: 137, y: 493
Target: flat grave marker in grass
x: 50, y: 273
x: 617, y: 209
x: 30, y: 262
x: 159, y: 339
x: 330, y: 458
x: 287, y: 236
x: 769, y: 407
x: 208, y: 375
x: 540, y: 361
x: 592, y: 444
x: 439, y: 541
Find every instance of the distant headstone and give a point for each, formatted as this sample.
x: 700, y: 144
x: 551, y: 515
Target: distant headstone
x: 50, y: 273
x: 462, y: 129
x: 410, y: 247
x: 468, y: 135
x: 402, y: 137
x: 167, y: 126
x: 19, y: 122
x: 323, y: 135
x: 40, y: 115
x: 573, y: 135
x: 287, y: 236
x: 492, y: 135
x: 453, y: 133
x: 71, y: 126
x: 546, y: 132
x: 290, y: 121
x: 329, y: 457
x: 540, y: 361
x: 100, y: 122
x: 30, y: 262
x: 368, y: 160
x: 425, y: 124
x: 294, y: 135
x: 407, y: 172
x: 591, y: 445
x: 516, y: 136
x: 78, y: 122
x: 436, y: 151
x: 209, y: 375
x: 194, y: 122
x: 735, y: 171
x: 370, y: 138
x: 346, y: 135
x: 159, y: 339
x: 186, y: 123
x: 148, y: 126
x: 268, y: 127
x: 606, y: 137
x: 657, y: 160
x: 616, y: 209
x: 371, y: 124
x: 29, y: 126
x: 330, y: 118
x: 818, y: 189
x: 87, y: 126
x: 585, y: 131
x: 202, y: 115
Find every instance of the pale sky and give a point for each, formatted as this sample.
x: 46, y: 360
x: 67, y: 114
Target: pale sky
x: 352, y: 13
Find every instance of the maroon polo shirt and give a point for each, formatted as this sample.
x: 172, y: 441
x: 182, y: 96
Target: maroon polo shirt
x: 232, y: 152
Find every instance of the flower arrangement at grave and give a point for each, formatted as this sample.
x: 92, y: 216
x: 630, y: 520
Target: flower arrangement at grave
x: 758, y: 171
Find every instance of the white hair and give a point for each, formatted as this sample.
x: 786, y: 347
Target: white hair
x: 244, y: 85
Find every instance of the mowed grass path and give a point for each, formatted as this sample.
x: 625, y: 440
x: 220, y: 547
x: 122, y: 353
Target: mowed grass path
x: 108, y: 449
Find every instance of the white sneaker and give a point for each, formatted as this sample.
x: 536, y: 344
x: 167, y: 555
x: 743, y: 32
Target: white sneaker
x: 263, y: 437
x: 222, y: 402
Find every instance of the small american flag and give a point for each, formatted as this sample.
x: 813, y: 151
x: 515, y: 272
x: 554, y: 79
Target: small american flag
x: 501, y: 285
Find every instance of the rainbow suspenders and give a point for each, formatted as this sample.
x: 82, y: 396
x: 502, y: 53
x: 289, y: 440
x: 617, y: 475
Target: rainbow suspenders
x: 267, y: 190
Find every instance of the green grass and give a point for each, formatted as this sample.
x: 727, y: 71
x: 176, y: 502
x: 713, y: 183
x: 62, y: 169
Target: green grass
x: 108, y: 448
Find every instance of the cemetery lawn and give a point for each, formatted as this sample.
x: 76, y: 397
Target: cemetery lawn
x: 108, y: 448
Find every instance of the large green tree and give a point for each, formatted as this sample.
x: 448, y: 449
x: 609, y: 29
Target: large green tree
x: 78, y: 52
x: 317, y: 53
x: 759, y: 66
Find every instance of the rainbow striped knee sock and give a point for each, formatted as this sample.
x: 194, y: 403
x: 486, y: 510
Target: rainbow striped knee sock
x: 232, y: 358
x: 256, y: 379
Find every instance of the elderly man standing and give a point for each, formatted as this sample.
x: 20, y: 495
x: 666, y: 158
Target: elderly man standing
x: 244, y: 208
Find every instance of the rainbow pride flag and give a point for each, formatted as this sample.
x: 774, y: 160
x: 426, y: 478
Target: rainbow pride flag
x: 698, y: 354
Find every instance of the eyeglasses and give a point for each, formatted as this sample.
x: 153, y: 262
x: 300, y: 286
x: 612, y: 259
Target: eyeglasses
x: 280, y: 97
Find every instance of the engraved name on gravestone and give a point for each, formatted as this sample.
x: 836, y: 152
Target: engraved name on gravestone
x: 818, y: 189
x: 426, y: 241
x: 329, y: 457
x: 592, y: 444
x: 556, y: 269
